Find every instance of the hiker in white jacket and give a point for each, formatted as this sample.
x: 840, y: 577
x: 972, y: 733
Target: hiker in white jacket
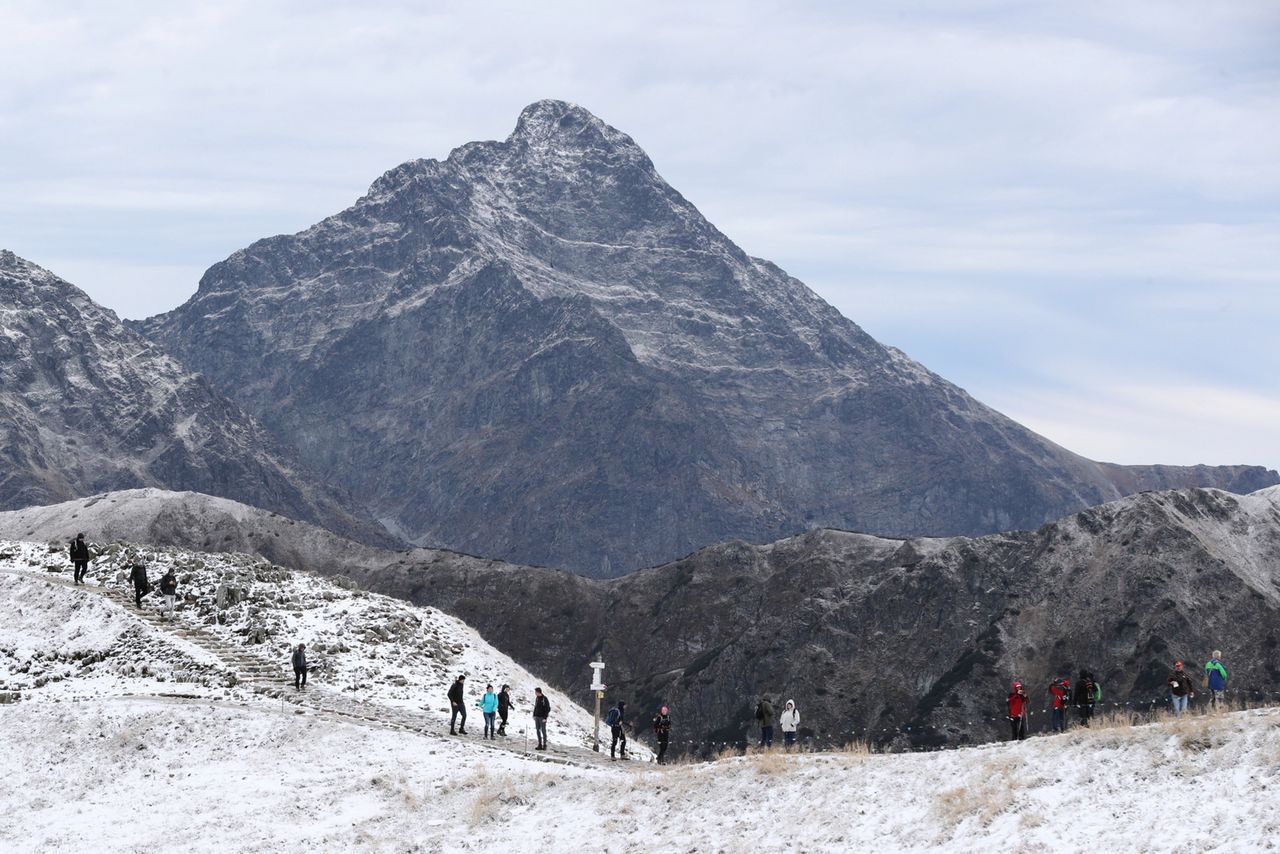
x: 790, y: 722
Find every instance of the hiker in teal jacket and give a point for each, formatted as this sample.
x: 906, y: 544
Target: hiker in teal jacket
x: 489, y: 705
x: 1215, y: 674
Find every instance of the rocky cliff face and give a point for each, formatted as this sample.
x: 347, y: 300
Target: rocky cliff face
x: 911, y: 639
x: 87, y: 404
x: 540, y: 351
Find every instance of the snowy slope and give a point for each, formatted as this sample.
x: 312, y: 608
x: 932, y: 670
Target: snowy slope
x: 159, y: 775
x: 391, y: 656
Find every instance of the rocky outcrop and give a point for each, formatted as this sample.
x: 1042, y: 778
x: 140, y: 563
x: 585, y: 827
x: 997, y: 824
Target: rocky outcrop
x: 539, y: 351
x: 88, y: 405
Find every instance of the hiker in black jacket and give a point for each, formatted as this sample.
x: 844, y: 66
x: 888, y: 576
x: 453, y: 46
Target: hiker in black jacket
x: 141, y: 587
x: 662, y: 729
x: 541, y: 711
x: 300, y: 667
x: 504, y: 708
x: 457, y: 702
x: 1085, y: 696
x: 80, y: 557
x: 169, y: 589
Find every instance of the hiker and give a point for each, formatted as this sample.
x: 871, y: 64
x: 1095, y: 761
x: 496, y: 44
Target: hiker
x: 541, y: 711
x: 1086, y: 694
x: 141, y: 587
x: 1018, y: 712
x: 489, y: 707
x: 169, y: 590
x: 1061, y: 691
x: 1215, y: 679
x: 457, y: 702
x: 1180, y: 690
x: 662, y: 729
x: 617, y: 722
x: 764, y: 717
x: 504, y: 708
x: 300, y: 667
x: 80, y: 557
x: 790, y: 722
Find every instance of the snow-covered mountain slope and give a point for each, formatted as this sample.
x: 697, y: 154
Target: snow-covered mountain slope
x: 538, y: 350
x: 87, y: 404
x: 238, y: 619
x: 164, y: 775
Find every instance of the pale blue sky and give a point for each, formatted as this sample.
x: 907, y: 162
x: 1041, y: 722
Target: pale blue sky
x: 1070, y: 209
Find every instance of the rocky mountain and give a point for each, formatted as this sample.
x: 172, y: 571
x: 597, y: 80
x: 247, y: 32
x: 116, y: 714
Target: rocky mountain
x: 907, y: 641
x: 538, y: 350
x: 914, y: 640
x: 87, y: 404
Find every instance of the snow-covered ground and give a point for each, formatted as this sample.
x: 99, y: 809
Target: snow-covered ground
x: 166, y: 775
x: 135, y: 740
x: 363, y: 646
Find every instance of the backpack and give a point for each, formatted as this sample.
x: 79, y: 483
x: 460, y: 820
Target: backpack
x: 612, y: 718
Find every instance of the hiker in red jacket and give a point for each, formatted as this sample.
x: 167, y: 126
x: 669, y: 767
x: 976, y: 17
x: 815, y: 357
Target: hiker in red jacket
x: 1061, y: 691
x: 1018, y: 712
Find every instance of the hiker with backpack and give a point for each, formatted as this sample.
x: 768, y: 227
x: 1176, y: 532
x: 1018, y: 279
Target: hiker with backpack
x: 764, y: 717
x: 1061, y: 691
x: 504, y: 708
x: 489, y: 708
x: 1087, y: 693
x: 457, y: 705
x: 541, y: 711
x: 1215, y: 679
x: 1018, y: 712
x: 1180, y: 689
x: 141, y: 586
x: 80, y: 557
x: 299, y: 661
x: 169, y: 590
x: 790, y: 722
x: 616, y: 720
x: 662, y: 729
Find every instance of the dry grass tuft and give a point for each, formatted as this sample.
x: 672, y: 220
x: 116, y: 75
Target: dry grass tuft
x: 989, y: 793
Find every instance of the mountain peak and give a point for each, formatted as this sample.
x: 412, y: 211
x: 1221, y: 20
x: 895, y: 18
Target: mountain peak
x: 560, y: 124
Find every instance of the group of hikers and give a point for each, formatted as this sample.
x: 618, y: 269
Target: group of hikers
x: 788, y: 722
x: 495, y: 707
x: 1087, y: 693
x: 80, y: 557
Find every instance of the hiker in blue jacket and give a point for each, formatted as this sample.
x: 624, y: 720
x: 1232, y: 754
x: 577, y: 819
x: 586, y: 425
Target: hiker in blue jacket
x: 1216, y: 674
x: 617, y: 722
x: 489, y: 705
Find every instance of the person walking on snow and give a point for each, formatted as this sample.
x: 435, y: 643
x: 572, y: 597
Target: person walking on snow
x: 169, y: 590
x: 617, y: 721
x: 1061, y: 691
x: 1215, y: 675
x: 141, y: 587
x: 80, y: 557
x: 489, y: 706
x: 790, y: 722
x: 662, y: 729
x: 299, y: 662
x: 1018, y: 712
x: 1086, y: 695
x: 457, y: 704
x: 541, y: 711
x: 1180, y: 690
x: 504, y: 708
x: 764, y: 717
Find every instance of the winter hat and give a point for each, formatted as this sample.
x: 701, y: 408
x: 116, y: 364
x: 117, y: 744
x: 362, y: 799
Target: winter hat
x: 1017, y: 684
x: 622, y: 704
x: 1217, y: 653
x: 505, y: 687
x: 79, y: 536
